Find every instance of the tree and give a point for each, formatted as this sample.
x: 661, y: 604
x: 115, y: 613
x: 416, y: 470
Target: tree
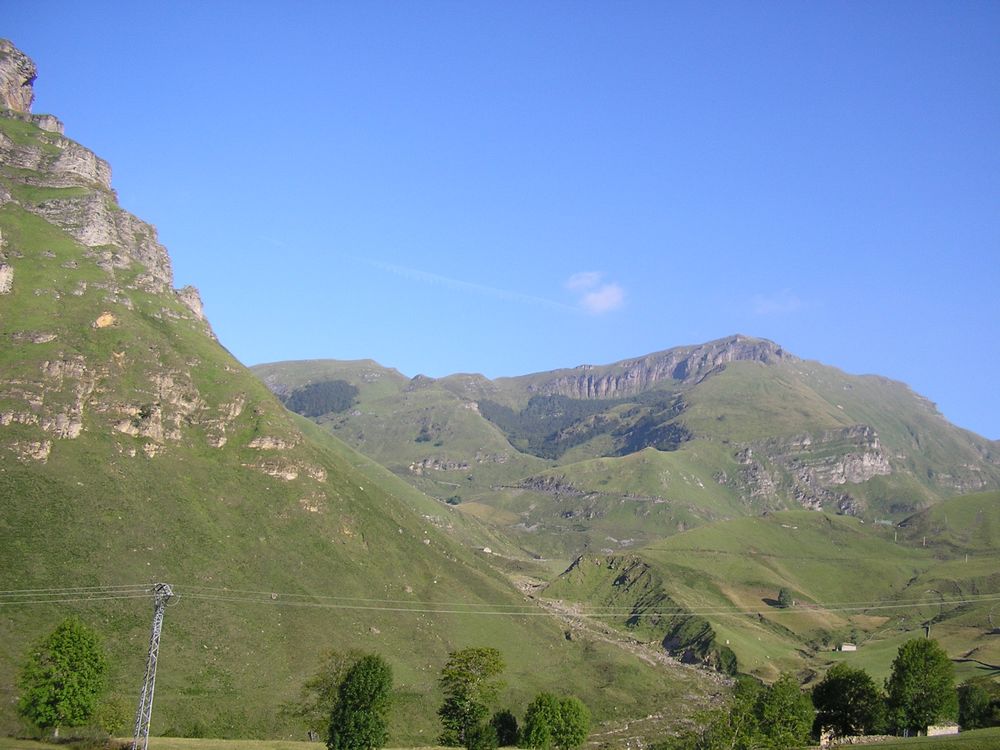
x: 785, y: 597
x: 757, y: 718
x: 848, y: 702
x: 734, y: 727
x: 553, y: 723
x: 539, y: 721
x: 921, y: 687
x: 318, y: 695
x: 979, y: 703
x: 505, y: 725
x: 573, y: 725
x: 481, y: 737
x: 785, y: 713
x: 470, y: 684
x: 62, y: 680
x: 358, y: 720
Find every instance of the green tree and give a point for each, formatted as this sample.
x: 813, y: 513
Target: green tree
x: 470, y: 685
x: 785, y: 714
x: 784, y: 597
x: 505, y: 724
x: 318, y: 695
x: 848, y: 702
x: 481, y: 737
x: 979, y: 703
x: 540, y: 721
x: 358, y: 720
x: 62, y: 680
x: 573, y: 725
x: 553, y: 723
x: 757, y: 718
x: 734, y: 727
x: 921, y: 687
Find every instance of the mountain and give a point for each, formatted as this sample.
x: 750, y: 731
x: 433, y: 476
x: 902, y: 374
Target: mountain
x: 604, y: 458
x: 684, y: 489
x: 134, y: 448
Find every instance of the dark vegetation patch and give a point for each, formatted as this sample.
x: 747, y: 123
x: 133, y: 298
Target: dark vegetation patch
x: 317, y: 399
x: 550, y: 425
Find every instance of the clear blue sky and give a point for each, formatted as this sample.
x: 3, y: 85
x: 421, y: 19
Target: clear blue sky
x: 508, y: 187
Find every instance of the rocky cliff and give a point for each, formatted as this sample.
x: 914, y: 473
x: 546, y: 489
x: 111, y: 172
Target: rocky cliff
x: 687, y: 365
x: 17, y: 74
x: 112, y: 267
x: 68, y: 185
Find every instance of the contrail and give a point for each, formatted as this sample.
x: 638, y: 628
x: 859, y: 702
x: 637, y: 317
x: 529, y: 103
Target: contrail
x: 427, y: 277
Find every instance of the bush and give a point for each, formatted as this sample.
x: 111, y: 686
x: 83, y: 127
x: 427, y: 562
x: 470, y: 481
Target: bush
x: 481, y: 737
x: 505, y: 724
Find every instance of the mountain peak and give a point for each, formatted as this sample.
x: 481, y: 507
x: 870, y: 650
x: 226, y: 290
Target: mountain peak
x: 688, y: 364
x: 17, y: 78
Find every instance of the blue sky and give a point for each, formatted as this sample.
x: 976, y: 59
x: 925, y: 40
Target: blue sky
x: 513, y: 187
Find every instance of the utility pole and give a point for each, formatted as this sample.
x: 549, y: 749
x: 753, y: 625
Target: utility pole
x: 140, y: 741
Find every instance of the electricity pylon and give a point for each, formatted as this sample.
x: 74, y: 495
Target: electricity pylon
x: 140, y: 740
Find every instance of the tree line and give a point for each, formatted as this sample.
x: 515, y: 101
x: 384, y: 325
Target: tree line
x: 349, y: 698
x: 920, y: 691
x: 470, y: 681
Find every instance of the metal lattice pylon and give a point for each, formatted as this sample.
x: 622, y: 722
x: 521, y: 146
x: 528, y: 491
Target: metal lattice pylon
x: 161, y: 593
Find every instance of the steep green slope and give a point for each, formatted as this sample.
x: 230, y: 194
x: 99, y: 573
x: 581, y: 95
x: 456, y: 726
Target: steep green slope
x: 134, y: 449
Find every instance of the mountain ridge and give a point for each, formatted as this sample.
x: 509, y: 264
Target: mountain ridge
x: 767, y: 429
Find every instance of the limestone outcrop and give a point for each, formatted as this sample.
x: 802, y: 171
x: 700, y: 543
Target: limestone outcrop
x: 683, y: 364
x: 17, y: 76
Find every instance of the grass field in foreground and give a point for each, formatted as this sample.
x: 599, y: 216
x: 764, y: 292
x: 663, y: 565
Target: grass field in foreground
x: 981, y: 739
x: 183, y: 743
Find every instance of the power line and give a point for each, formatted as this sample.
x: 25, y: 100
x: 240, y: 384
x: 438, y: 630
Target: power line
x: 87, y: 594
x: 139, y: 586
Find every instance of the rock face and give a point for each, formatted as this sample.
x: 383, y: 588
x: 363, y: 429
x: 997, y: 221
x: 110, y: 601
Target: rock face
x: 68, y: 185
x: 17, y: 76
x: 683, y: 364
x: 6, y: 278
x: 109, y: 260
x: 812, y: 469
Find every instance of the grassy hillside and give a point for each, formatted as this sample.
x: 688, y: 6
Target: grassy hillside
x: 713, y: 590
x: 135, y: 449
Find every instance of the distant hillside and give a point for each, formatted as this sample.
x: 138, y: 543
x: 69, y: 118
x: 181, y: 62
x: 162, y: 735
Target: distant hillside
x: 608, y: 457
x: 711, y: 594
x: 135, y: 449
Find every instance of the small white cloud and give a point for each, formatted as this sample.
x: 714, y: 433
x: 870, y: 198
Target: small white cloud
x: 583, y: 280
x: 782, y: 303
x: 604, y: 299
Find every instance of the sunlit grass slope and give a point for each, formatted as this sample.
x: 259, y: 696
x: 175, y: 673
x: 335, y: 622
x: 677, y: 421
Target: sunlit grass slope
x: 716, y: 587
